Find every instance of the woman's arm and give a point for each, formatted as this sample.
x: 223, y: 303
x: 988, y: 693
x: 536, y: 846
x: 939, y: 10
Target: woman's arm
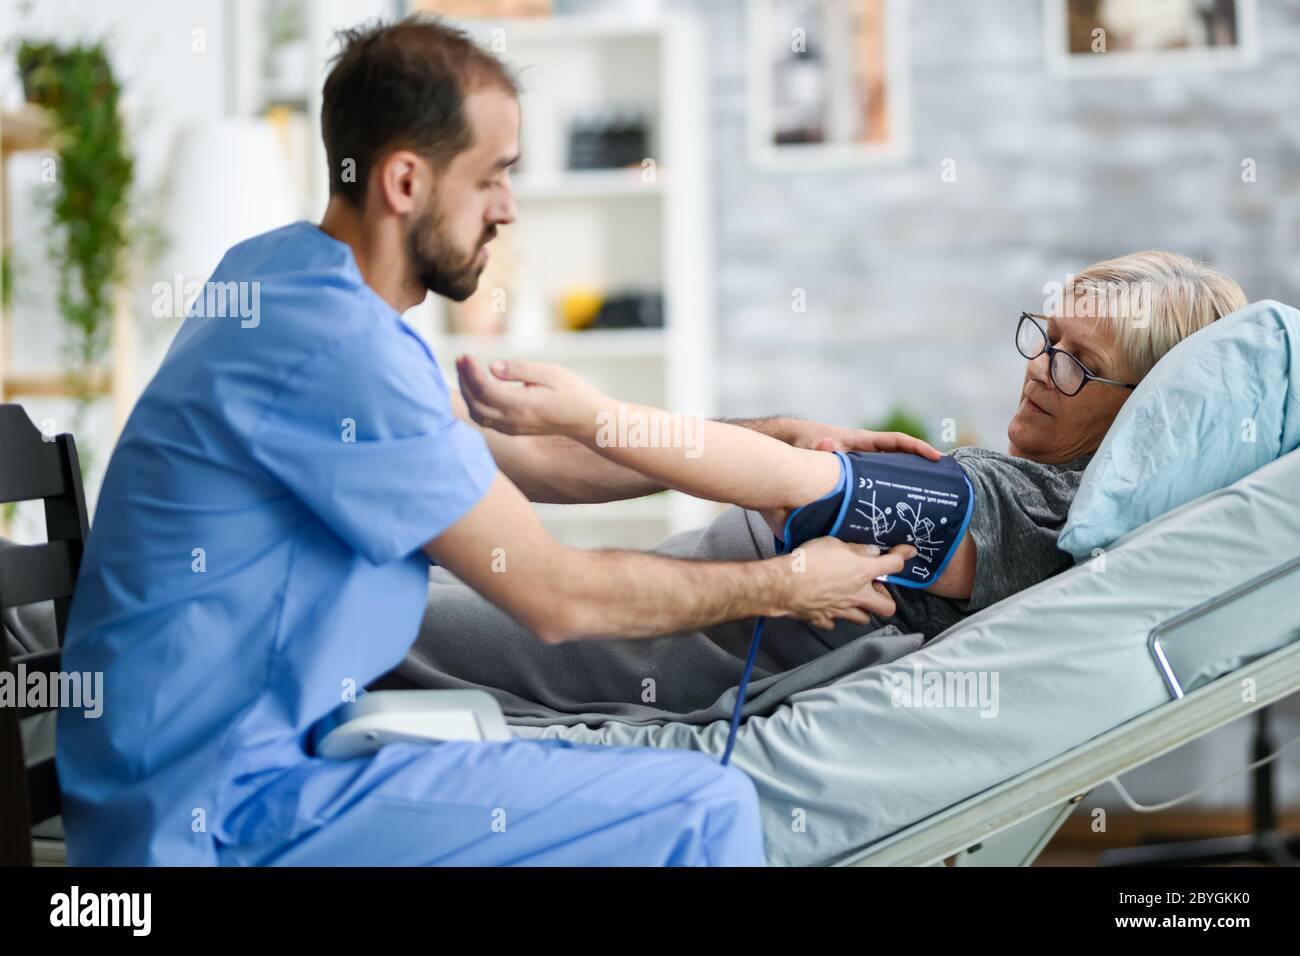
x: 559, y: 470
x: 958, y: 577
x: 697, y: 456
x: 707, y: 459
x: 555, y: 469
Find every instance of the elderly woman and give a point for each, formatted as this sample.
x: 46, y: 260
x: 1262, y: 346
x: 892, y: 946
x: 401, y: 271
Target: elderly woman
x: 1115, y: 321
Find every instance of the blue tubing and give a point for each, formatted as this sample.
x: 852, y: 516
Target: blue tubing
x: 740, y: 691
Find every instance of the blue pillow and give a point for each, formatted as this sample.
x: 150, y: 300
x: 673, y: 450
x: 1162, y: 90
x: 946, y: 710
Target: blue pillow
x: 1222, y: 403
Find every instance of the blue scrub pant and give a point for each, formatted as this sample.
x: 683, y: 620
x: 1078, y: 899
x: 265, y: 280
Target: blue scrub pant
x: 519, y: 802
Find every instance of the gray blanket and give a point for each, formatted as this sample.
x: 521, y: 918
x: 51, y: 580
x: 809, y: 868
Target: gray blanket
x: 691, y: 678
x: 29, y: 628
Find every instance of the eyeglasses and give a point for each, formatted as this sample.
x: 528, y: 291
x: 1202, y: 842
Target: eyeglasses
x: 1069, y: 375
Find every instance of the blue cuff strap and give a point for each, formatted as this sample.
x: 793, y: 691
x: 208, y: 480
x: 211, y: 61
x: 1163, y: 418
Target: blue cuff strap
x: 891, y: 498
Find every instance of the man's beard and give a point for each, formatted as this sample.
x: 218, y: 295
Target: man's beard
x: 437, y: 264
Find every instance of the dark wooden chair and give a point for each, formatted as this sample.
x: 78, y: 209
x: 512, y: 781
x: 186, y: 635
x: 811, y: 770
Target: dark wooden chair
x: 34, y: 467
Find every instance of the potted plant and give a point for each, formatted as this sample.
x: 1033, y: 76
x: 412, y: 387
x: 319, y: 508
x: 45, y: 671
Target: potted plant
x: 89, y: 197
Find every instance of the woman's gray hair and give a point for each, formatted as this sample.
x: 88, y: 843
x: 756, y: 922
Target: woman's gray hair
x: 1154, y: 300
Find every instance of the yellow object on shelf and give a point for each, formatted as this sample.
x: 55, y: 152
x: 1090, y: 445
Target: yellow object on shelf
x: 579, y: 308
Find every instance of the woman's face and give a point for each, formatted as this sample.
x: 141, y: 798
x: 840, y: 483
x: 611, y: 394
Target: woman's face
x: 1054, y: 428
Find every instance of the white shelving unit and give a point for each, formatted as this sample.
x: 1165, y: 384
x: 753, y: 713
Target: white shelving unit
x: 610, y: 230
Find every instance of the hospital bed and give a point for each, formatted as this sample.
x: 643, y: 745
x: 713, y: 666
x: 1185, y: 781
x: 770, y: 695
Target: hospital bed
x: 1009, y: 825
x: 1158, y: 636
x: 1103, y: 669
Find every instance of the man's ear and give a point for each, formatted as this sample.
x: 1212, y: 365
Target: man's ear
x: 402, y: 180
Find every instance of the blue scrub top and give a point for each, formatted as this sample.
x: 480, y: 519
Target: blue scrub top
x: 255, y: 553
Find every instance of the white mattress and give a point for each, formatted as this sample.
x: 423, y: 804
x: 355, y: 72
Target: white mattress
x: 841, y: 766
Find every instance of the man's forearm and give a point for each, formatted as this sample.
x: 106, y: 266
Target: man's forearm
x: 774, y: 426
x: 501, y: 549
x: 631, y: 594
x: 552, y: 469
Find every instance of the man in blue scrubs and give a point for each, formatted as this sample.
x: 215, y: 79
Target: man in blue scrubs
x: 262, y: 541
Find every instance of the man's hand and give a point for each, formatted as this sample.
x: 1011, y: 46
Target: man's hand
x: 562, y: 594
x: 551, y: 400
x: 833, y: 579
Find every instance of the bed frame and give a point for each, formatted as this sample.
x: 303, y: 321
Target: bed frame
x: 1010, y: 824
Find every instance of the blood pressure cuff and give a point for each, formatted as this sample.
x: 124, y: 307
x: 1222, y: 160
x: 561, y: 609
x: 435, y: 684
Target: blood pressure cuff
x: 889, y: 498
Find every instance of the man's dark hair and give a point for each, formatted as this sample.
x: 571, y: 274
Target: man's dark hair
x: 401, y: 85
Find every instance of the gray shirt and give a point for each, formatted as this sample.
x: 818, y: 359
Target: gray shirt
x: 1020, y: 508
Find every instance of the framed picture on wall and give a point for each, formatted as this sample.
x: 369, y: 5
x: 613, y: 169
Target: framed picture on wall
x: 826, y: 82
x: 1127, y: 37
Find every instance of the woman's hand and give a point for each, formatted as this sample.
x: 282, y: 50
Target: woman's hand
x: 551, y: 400
x: 820, y: 437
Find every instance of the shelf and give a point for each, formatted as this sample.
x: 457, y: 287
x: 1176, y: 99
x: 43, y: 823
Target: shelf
x: 586, y: 184
x: 607, y: 229
x: 51, y: 384
x: 600, y: 345
x: 26, y: 128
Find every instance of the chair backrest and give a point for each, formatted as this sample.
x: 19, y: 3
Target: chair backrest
x: 35, y: 467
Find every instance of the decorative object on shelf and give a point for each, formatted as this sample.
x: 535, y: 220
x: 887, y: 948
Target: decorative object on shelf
x: 579, y: 307
x: 1117, y: 37
x: 584, y: 307
x: 608, y: 138
x: 631, y: 310
x: 32, y: 57
x: 229, y: 181
x: 824, y: 81
x: 285, y: 73
x: 585, y: 236
x: 90, y: 199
